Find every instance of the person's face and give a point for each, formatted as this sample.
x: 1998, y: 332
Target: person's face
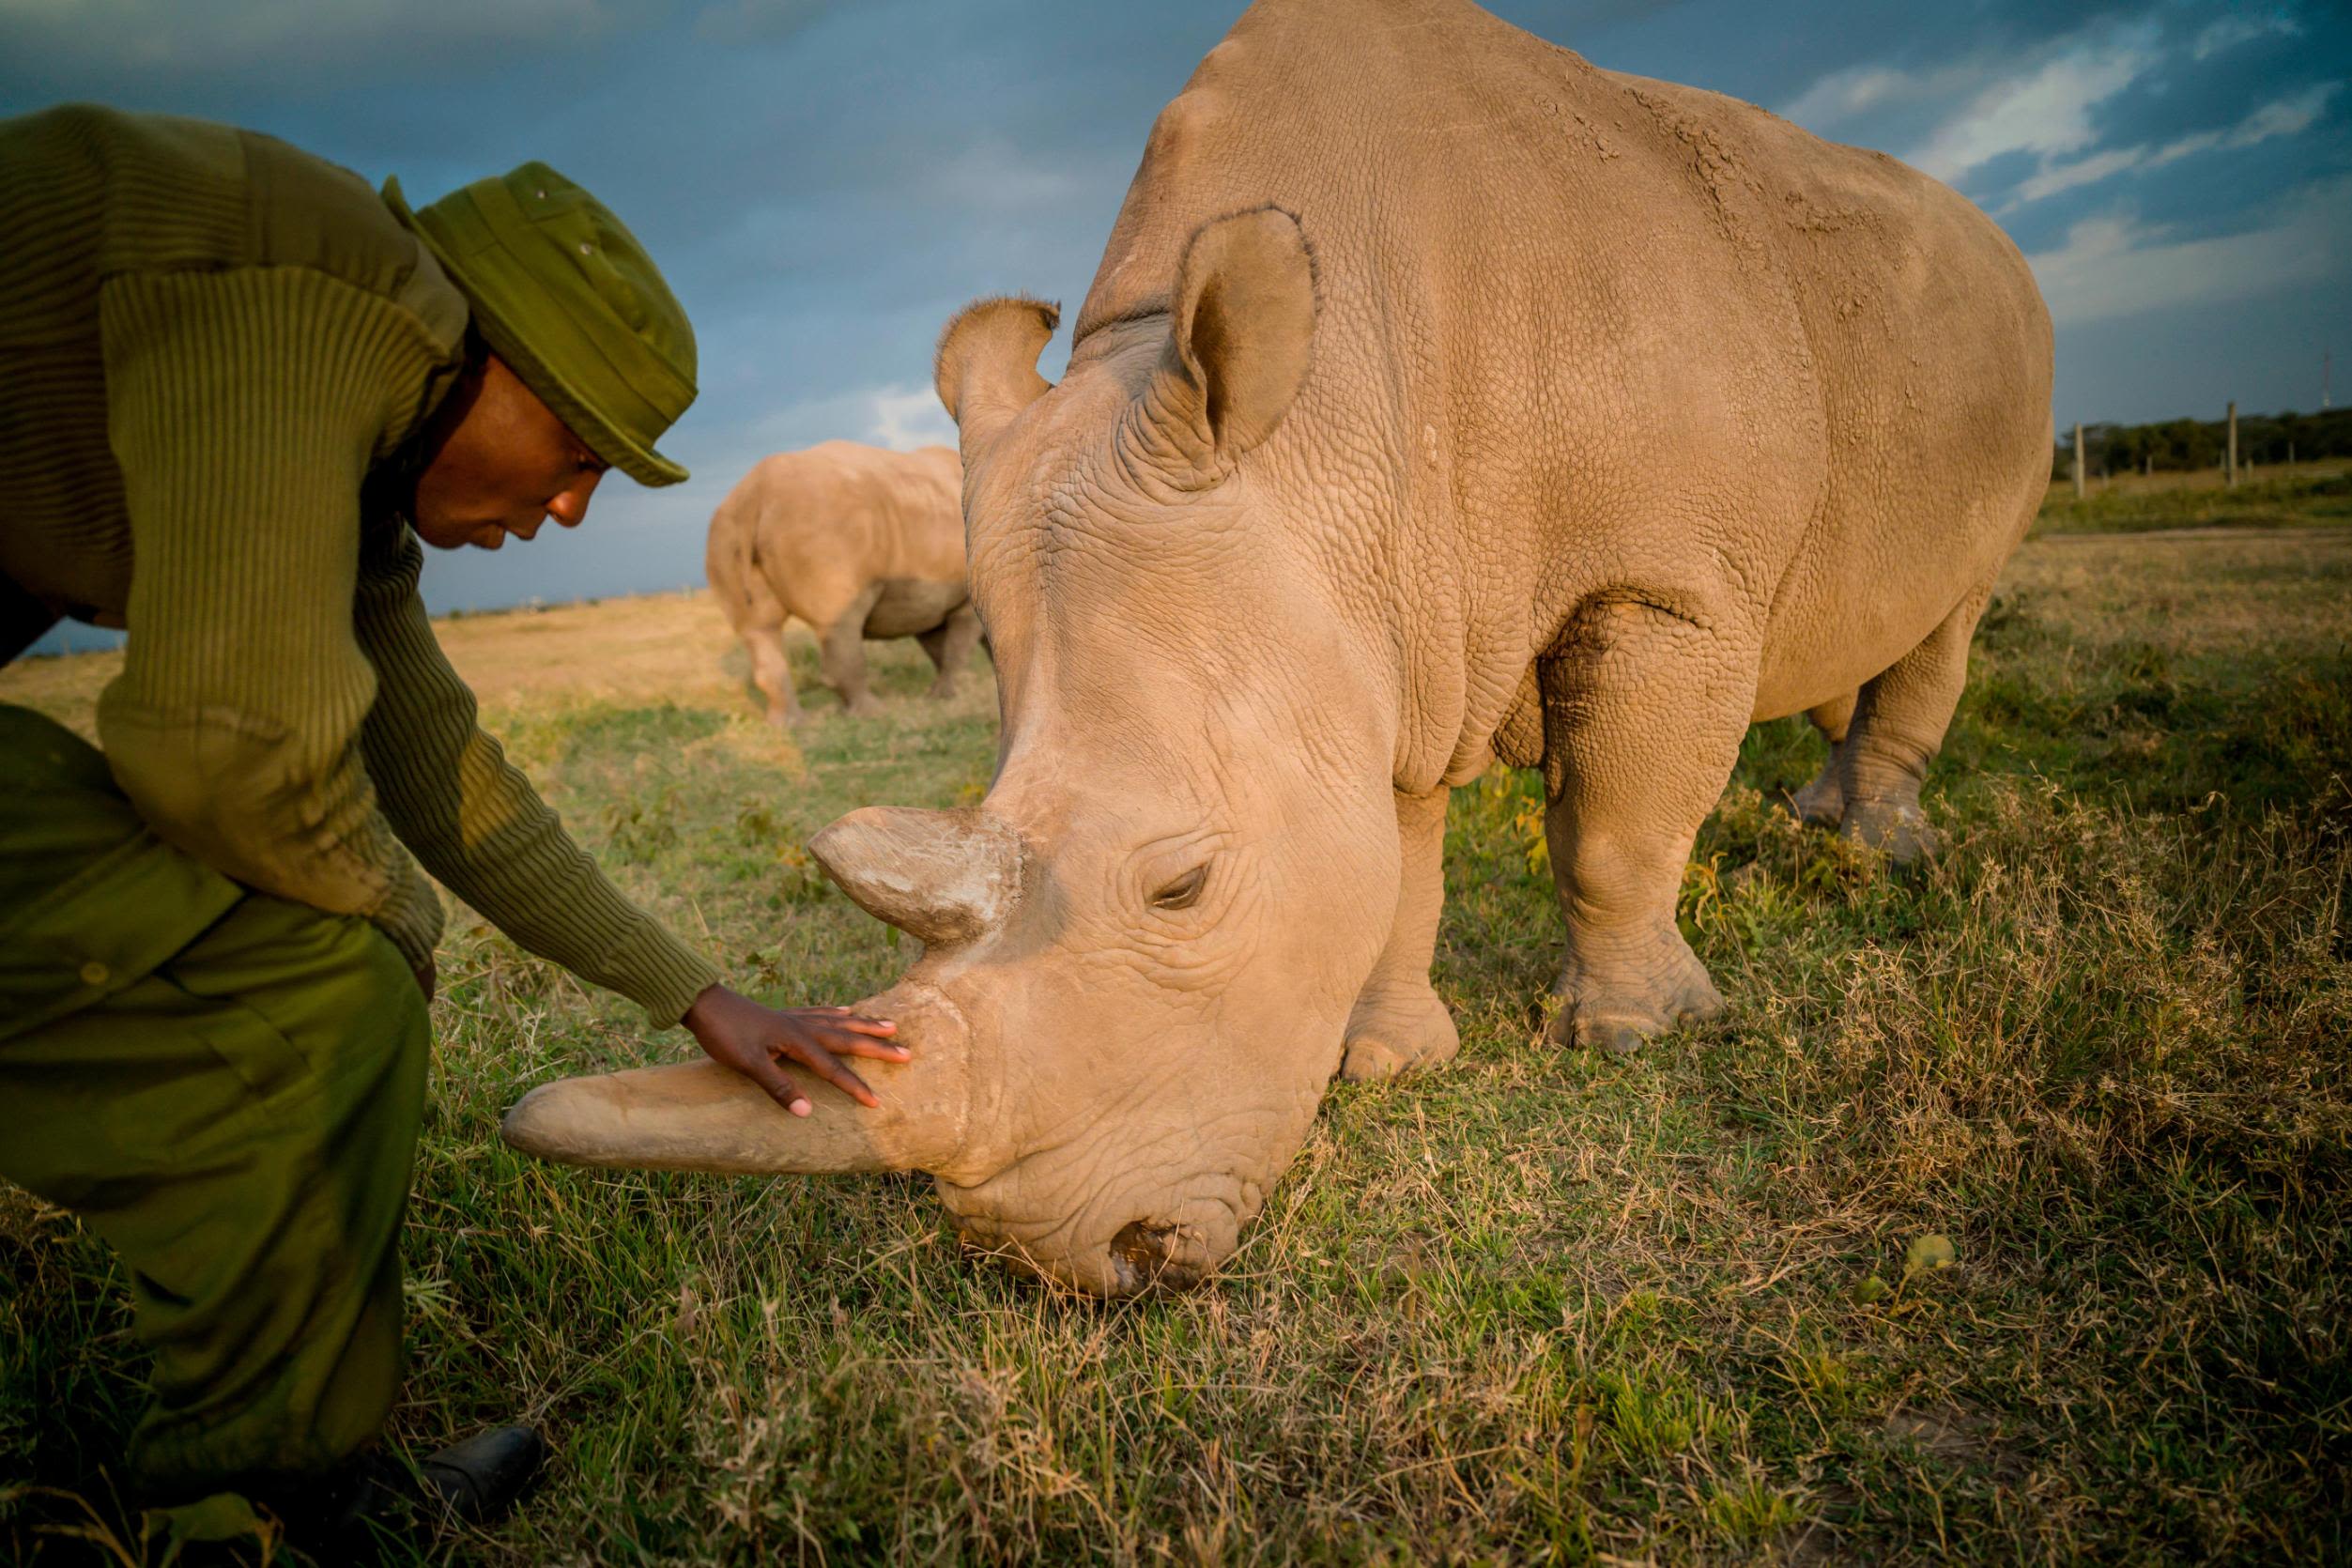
x: 501, y: 463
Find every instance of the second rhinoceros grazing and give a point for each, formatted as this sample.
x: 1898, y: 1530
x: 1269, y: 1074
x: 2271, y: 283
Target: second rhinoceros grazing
x: 1457, y: 402
x: 857, y: 543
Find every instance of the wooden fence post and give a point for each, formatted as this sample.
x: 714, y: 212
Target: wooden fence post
x: 2229, y: 472
x: 2078, y: 462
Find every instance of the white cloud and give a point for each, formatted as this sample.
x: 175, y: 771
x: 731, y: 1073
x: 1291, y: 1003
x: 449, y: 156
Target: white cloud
x: 2054, y: 179
x: 1842, y: 95
x: 892, y: 414
x: 2045, y: 110
x: 904, y: 420
x: 2286, y: 116
x: 2115, y: 266
x: 1851, y: 92
x: 2232, y: 31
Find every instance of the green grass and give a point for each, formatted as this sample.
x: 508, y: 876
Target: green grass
x: 1537, y: 1306
x: 2128, y: 506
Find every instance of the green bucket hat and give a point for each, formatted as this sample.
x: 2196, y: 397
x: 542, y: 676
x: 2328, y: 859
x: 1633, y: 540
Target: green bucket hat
x: 567, y: 297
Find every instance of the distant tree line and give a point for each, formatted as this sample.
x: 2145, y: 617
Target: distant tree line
x: 2191, y: 443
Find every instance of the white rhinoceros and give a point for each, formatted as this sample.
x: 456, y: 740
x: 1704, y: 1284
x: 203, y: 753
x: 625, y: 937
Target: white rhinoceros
x: 857, y: 543
x: 1440, y: 398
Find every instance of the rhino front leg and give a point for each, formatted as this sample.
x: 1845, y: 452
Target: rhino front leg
x: 843, y: 647
x: 1398, y: 1022
x: 1643, y: 712
x: 1899, y: 725
x: 949, y: 645
x: 1822, y: 803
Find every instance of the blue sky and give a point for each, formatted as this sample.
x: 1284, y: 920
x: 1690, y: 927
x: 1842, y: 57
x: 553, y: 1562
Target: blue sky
x: 824, y: 183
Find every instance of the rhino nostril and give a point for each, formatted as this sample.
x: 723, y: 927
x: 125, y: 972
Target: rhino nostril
x: 1150, y: 1255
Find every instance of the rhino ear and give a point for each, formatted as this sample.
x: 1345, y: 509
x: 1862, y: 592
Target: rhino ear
x: 985, y: 369
x: 1241, y: 336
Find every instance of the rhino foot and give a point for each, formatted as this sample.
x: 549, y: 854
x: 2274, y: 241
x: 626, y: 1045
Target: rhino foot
x: 1819, y: 804
x: 862, y: 706
x: 1392, y: 1034
x: 1617, y: 1013
x: 1899, y: 828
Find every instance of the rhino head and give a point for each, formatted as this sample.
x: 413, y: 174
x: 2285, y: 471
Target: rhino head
x: 1140, y: 951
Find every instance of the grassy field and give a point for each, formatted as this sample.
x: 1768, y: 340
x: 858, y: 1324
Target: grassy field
x: 1693, y: 1306
x: 2136, y: 503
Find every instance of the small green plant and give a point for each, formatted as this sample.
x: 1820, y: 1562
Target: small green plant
x: 799, y: 880
x: 1652, y: 1416
x: 1751, y: 1512
x: 637, y: 831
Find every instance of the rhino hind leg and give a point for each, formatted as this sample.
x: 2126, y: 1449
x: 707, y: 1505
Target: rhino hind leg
x: 1643, y: 713
x: 1899, y: 724
x: 1822, y: 801
x: 949, y: 645
x: 841, y: 644
x: 1398, y: 1021
x: 773, y: 673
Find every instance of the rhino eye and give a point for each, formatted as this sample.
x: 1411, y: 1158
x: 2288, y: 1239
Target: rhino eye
x: 1183, y: 892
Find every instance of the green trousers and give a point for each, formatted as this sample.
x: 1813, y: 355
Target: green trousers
x: 227, y: 1088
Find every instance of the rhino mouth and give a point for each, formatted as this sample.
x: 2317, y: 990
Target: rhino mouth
x: 1174, y: 1243
x: 1151, y: 1256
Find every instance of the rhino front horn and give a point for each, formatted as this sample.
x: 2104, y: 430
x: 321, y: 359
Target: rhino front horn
x: 941, y: 876
x: 698, y: 1116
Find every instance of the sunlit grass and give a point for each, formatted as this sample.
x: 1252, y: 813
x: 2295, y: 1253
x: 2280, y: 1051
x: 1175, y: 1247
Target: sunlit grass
x: 1538, y: 1306
x: 2276, y: 498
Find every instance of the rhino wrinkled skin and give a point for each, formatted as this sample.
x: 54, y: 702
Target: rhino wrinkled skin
x: 1439, y: 399
x: 857, y: 543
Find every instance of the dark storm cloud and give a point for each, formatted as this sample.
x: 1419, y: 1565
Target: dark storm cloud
x: 824, y: 182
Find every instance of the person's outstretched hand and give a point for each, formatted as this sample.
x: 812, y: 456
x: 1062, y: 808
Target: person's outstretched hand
x: 737, y: 1032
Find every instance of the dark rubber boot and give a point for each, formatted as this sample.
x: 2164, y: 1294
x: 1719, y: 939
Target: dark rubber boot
x: 477, y: 1480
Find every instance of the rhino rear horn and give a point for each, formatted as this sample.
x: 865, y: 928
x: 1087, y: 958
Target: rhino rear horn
x: 944, y: 877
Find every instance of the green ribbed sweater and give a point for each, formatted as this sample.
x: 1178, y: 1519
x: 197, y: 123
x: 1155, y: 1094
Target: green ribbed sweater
x: 208, y: 340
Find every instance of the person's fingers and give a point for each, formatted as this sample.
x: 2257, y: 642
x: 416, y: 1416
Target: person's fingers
x: 770, y: 1076
x: 809, y: 1053
x: 857, y: 1020
x: 841, y: 1036
x: 843, y: 1043
x: 872, y: 1049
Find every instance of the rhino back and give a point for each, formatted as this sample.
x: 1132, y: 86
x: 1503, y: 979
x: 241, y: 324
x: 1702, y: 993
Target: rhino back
x: 840, y: 513
x: 1582, y: 332
x: 1930, y: 351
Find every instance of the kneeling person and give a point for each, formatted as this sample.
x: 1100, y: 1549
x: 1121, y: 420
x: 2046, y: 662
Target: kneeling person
x: 237, y: 387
